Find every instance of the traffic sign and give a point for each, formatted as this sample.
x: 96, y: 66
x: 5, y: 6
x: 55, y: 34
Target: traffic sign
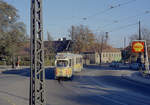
x: 138, y: 46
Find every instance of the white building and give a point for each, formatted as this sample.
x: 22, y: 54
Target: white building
x: 107, y: 56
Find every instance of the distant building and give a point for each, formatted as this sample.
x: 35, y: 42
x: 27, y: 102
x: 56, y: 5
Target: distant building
x: 60, y: 45
x: 110, y: 55
x: 91, y: 57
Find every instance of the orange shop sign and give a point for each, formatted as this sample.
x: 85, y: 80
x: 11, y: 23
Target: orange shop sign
x: 137, y: 46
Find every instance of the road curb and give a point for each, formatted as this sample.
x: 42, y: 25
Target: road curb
x: 1, y: 71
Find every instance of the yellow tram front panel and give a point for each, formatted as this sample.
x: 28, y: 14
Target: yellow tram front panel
x: 63, y: 72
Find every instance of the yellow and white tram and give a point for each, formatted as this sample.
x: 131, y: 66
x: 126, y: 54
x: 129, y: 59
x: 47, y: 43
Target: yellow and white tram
x: 66, y: 64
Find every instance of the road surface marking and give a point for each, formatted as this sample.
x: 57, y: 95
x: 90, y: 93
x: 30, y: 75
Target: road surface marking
x: 9, y: 101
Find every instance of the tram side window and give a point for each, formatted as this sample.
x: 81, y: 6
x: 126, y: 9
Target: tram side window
x: 70, y: 61
x: 76, y: 60
x: 73, y: 62
x: 80, y: 60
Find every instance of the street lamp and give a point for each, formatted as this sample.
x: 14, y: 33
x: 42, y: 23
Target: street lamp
x: 13, y: 57
x: 9, y: 17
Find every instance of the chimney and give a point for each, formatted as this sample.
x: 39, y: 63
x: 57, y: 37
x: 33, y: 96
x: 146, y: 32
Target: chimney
x: 59, y: 39
x: 64, y: 39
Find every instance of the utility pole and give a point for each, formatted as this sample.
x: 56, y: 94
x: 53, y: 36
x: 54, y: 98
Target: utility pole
x: 124, y: 50
x: 13, y: 55
x: 106, y: 37
x: 124, y: 42
x: 140, y: 38
x: 139, y: 60
x: 146, y: 58
x: 101, y: 49
x: 104, y: 40
x: 37, y: 78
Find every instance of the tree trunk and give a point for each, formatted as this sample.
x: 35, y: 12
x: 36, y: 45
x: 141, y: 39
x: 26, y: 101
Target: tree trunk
x: 13, y: 62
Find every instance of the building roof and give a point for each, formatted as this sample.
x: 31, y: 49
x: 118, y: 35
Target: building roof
x: 67, y: 55
x: 63, y: 46
x: 88, y: 52
x: 60, y: 46
x: 110, y: 49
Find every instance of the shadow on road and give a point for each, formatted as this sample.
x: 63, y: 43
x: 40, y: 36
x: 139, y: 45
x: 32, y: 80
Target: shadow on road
x: 95, y: 89
x: 106, y: 67
x: 109, y: 90
x: 114, y: 81
x: 49, y: 72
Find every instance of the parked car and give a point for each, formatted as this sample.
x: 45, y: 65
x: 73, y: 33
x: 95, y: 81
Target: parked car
x: 135, y: 66
x: 114, y: 64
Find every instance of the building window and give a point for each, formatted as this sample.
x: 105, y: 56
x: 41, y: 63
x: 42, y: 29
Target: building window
x: 103, y: 55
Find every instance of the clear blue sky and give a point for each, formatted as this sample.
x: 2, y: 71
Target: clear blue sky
x: 59, y: 15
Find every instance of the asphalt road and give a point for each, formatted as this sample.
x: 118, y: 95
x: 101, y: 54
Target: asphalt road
x: 93, y: 86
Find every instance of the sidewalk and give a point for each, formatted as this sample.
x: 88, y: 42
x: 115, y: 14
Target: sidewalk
x: 137, y: 76
x: 5, y: 68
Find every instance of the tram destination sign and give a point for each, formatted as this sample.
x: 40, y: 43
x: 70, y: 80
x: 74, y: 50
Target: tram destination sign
x: 138, y: 46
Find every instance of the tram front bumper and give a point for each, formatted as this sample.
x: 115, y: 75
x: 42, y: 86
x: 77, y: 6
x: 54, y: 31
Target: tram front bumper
x: 63, y: 73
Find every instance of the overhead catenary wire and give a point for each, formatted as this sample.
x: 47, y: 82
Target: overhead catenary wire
x: 121, y: 4
x: 108, y: 9
x: 101, y: 12
x: 126, y: 19
x: 115, y: 1
x: 122, y: 27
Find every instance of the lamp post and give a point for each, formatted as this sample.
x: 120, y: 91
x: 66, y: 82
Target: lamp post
x: 101, y: 49
x: 13, y: 56
x: 9, y: 17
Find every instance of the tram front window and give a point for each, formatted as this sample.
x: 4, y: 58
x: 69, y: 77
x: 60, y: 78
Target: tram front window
x: 62, y: 63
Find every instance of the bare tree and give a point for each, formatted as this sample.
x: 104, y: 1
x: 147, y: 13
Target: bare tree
x: 82, y: 37
x: 145, y: 35
x: 100, y: 44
